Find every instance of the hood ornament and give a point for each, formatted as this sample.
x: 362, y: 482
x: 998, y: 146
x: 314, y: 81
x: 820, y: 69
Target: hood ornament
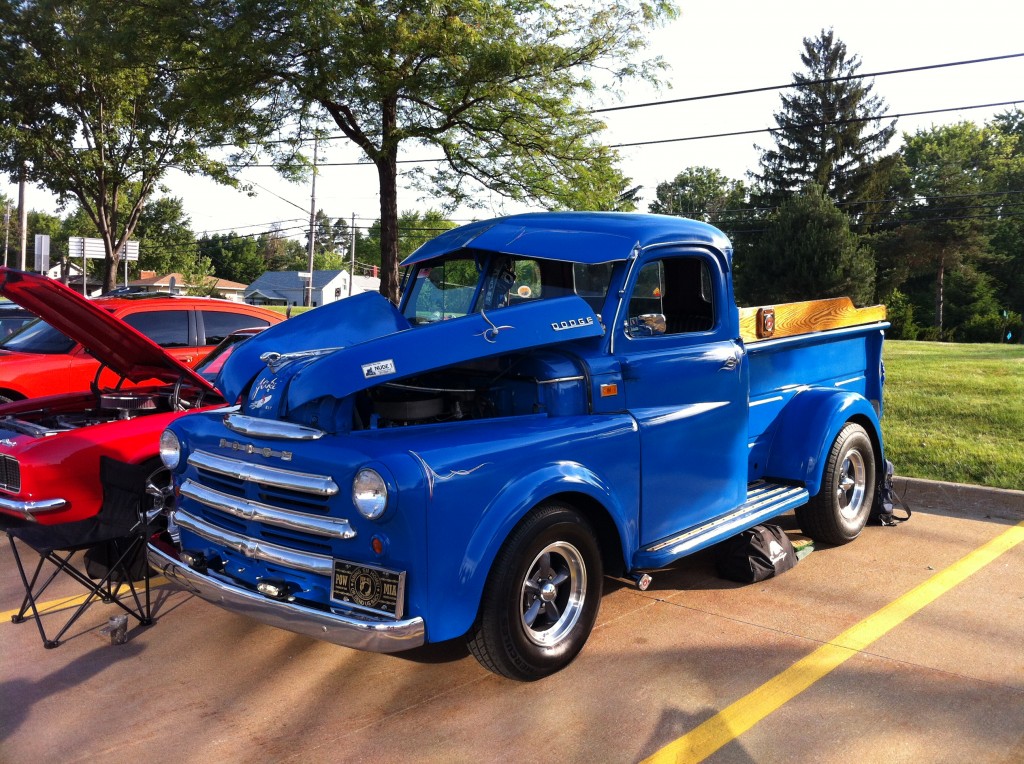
x: 275, y: 361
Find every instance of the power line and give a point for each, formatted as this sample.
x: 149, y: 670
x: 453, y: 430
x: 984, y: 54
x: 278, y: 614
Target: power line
x: 768, y: 88
x: 818, y: 124
x: 731, y: 134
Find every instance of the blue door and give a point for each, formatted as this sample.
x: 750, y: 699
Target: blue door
x: 686, y: 385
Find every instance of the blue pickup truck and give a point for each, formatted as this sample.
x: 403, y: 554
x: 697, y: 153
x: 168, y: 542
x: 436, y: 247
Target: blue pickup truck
x: 559, y: 397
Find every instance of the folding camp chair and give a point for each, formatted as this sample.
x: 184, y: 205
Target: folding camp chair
x: 101, y: 553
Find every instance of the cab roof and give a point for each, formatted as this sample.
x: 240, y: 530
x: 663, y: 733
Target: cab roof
x: 582, y: 237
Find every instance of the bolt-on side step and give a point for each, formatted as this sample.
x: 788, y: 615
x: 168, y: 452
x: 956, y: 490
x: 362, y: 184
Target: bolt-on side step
x: 764, y: 500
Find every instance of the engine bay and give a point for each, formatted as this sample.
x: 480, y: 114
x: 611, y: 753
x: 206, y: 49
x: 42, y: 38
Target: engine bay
x: 514, y: 385
x: 74, y: 412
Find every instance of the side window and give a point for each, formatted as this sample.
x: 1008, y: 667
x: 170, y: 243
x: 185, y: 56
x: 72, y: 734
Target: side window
x: 591, y: 282
x: 672, y: 296
x: 167, y: 328
x: 219, y: 324
x: 527, y: 282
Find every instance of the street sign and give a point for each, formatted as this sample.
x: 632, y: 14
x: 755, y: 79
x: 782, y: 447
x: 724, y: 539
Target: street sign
x: 42, y: 252
x: 93, y: 249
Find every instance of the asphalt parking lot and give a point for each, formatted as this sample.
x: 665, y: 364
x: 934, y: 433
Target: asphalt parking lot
x: 905, y: 646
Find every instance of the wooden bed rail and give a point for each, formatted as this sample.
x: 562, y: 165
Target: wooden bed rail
x: 788, y: 319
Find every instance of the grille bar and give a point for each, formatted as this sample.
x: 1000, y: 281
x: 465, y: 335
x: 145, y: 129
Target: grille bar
x: 301, y: 482
x: 264, y: 513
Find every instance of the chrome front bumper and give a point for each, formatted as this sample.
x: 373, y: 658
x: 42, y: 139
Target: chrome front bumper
x: 352, y: 630
x: 29, y: 509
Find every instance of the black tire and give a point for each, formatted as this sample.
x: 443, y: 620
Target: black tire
x: 839, y: 511
x: 6, y: 399
x: 542, y: 596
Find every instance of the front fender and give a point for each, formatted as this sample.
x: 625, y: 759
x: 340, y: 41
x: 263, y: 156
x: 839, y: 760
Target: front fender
x: 807, y: 427
x: 501, y: 516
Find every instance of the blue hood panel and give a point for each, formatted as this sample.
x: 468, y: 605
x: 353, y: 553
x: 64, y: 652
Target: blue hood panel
x: 435, y: 346
x: 337, y: 324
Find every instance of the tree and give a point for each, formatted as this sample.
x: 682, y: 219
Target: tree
x: 951, y: 170
x: 98, y: 98
x: 1007, y: 234
x: 494, y: 86
x: 234, y: 257
x: 807, y: 252
x: 279, y: 252
x: 414, y: 230
x: 830, y: 127
x: 167, y: 243
x: 701, y: 193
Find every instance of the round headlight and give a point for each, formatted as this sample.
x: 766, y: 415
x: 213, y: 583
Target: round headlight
x: 369, y: 493
x: 170, y: 449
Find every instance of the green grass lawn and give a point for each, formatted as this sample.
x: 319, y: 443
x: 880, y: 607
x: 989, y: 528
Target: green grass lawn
x: 955, y: 412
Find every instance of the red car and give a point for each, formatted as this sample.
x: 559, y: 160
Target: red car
x: 50, y: 447
x: 53, y: 356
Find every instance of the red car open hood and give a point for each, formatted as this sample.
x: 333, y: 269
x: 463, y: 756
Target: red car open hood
x: 110, y: 340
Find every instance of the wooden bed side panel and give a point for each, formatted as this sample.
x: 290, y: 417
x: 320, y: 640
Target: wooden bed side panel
x: 772, y: 321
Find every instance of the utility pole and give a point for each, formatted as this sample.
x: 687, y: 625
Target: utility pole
x: 352, y: 254
x: 22, y: 214
x: 7, y: 230
x: 312, y: 224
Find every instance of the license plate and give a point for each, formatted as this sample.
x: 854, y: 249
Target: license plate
x: 368, y: 588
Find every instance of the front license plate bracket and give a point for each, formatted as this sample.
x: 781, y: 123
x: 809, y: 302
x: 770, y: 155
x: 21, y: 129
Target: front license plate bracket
x: 368, y: 587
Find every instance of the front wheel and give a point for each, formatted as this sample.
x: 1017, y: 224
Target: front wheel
x: 839, y: 511
x: 542, y: 596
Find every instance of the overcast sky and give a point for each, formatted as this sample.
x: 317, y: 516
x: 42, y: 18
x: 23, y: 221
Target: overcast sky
x: 715, y: 46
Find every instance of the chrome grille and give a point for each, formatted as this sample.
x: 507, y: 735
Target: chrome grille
x: 10, y: 474
x: 288, y: 507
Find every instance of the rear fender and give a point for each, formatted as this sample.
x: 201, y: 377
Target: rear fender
x: 807, y: 427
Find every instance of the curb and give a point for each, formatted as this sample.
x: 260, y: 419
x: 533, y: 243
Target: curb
x: 920, y: 494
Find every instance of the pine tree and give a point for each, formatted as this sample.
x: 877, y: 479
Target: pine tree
x: 830, y: 127
x: 807, y: 252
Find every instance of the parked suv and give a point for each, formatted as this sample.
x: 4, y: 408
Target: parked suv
x: 42, y: 360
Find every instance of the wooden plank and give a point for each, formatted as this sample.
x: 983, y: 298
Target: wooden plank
x: 804, y: 317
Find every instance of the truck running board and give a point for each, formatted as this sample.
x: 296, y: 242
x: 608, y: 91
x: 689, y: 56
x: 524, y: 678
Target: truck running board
x: 764, y: 500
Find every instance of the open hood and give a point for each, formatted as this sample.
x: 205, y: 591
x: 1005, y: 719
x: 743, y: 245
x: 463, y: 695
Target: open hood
x: 330, y: 327
x: 110, y: 340
x: 403, y: 353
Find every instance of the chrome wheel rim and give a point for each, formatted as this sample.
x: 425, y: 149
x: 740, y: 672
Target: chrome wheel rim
x: 552, y: 595
x: 852, y: 487
x: 160, y: 497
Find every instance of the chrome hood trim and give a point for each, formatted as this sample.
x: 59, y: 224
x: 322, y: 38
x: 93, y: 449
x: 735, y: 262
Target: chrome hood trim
x: 270, y: 428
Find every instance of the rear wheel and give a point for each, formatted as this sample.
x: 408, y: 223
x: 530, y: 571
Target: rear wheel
x: 839, y: 511
x: 542, y: 596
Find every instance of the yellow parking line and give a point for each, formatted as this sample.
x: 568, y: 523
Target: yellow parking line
x: 733, y: 721
x: 66, y: 603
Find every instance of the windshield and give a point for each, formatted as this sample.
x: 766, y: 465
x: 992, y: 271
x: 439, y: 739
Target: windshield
x: 39, y: 337
x: 453, y: 287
